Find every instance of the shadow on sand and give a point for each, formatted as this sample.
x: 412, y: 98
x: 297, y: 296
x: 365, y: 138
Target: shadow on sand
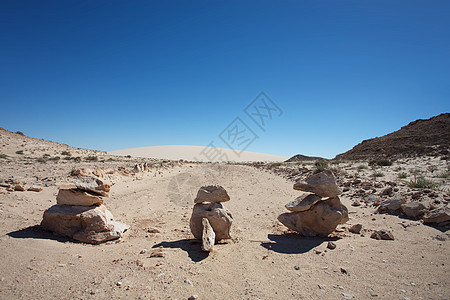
x: 37, y: 232
x: 293, y: 243
x: 192, y: 247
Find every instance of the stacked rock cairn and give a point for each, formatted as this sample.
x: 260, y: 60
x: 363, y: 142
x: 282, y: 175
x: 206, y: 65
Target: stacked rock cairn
x: 80, y: 213
x: 211, y: 221
x: 319, y: 213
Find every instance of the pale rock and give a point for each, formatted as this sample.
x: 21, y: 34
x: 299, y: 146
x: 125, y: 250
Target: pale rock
x: 208, y: 237
x: 413, y: 209
x: 322, y: 184
x: 212, y: 193
x: 77, y: 197
x: 89, y: 224
x: 320, y: 220
x: 35, y: 189
x: 303, y: 202
x: 94, y: 185
x: 218, y: 216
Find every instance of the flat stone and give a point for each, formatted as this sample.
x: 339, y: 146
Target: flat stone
x: 78, y: 197
x: 212, y: 193
x: 355, y: 228
x: 92, y: 184
x: 322, y: 184
x: 382, y: 235
x: 208, y: 237
x: 439, y: 216
x: 413, y: 209
x: 394, y: 203
x: 303, y: 202
x: 35, y: 189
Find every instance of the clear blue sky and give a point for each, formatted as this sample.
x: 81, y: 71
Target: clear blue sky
x: 109, y: 75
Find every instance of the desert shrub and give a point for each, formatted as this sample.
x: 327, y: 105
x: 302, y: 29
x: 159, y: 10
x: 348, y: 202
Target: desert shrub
x: 128, y: 156
x: 46, y: 155
x: 67, y: 158
x: 77, y: 159
x: 362, y: 167
x: 55, y: 158
x: 320, y: 166
x: 402, y: 175
x: 276, y: 164
x: 19, y: 152
x: 3, y: 156
x: 91, y: 158
x: 20, y: 132
x: 380, y: 162
x: 110, y: 159
x: 66, y: 153
x: 42, y: 159
x: 444, y: 174
x: 422, y: 183
x: 377, y: 174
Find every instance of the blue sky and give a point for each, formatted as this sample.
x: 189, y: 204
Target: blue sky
x: 109, y: 75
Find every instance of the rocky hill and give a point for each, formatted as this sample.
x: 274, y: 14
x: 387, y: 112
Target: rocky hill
x: 421, y: 137
x: 300, y: 157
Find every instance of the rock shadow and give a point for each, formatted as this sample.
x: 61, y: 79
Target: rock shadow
x: 192, y: 247
x: 293, y: 243
x: 37, y: 232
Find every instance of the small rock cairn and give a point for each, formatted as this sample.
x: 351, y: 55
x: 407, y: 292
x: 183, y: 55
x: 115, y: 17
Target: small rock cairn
x: 80, y: 213
x: 211, y: 221
x: 318, y: 213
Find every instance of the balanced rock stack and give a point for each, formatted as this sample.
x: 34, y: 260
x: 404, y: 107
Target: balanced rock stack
x: 319, y: 213
x: 81, y: 215
x: 210, y: 220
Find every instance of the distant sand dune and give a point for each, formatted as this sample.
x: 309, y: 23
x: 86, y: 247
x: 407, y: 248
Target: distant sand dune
x: 196, y: 153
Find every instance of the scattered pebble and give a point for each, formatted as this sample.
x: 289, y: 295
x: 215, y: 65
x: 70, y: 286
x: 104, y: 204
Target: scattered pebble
x: 372, y: 292
x: 297, y: 268
x: 347, y: 296
x: 143, y: 251
x: 331, y: 245
x: 187, y: 281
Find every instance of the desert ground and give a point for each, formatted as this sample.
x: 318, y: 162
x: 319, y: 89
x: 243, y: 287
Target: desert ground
x: 158, y: 258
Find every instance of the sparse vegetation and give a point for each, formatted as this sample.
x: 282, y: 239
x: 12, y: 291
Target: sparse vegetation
x: 380, y: 162
x: 362, y: 167
x: 91, y: 158
x: 42, y: 159
x: 320, y: 166
x: 20, y: 132
x: 66, y: 153
x: 77, y: 159
x: 4, y: 156
x: 377, y: 174
x: 55, y: 158
x: 422, y: 183
x: 19, y: 152
x: 276, y: 164
x: 444, y: 174
x: 402, y: 175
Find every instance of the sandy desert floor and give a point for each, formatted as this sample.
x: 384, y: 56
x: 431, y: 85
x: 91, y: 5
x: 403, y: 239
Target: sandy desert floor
x: 262, y: 261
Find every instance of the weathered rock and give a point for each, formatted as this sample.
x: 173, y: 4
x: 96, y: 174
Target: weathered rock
x: 218, y: 216
x: 98, y: 173
x: 302, y: 203
x: 78, y: 197
x: 19, y: 188
x: 35, y: 189
x: 331, y: 245
x: 92, y: 184
x: 89, y: 224
x: 322, y: 184
x: 392, y: 204
x: 439, y: 216
x: 355, y: 228
x: 81, y: 172
x: 212, y: 193
x: 208, y: 237
x: 413, y: 209
x: 371, y: 199
x: 320, y: 220
x: 382, y: 235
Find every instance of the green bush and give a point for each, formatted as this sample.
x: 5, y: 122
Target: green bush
x: 422, y: 183
x: 320, y: 166
x: 3, y: 156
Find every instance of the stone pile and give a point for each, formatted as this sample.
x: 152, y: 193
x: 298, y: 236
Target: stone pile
x: 210, y: 220
x: 80, y: 213
x: 318, y: 213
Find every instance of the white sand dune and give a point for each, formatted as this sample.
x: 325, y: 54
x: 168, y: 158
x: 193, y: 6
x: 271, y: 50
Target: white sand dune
x: 197, y: 153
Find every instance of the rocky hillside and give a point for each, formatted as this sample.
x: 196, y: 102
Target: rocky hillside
x: 300, y: 157
x: 421, y: 137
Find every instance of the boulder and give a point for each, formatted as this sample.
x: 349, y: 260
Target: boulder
x: 19, y: 188
x: 94, y: 185
x: 392, y: 204
x: 413, y: 209
x: 356, y: 228
x: 78, y: 197
x: 322, y: 184
x: 218, y: 216
x: 303, y: 202
x: 89, y: 224
x: 208, y: 237
x: 320, y: 220
x: 212, y: 193
x: 439, y: 216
